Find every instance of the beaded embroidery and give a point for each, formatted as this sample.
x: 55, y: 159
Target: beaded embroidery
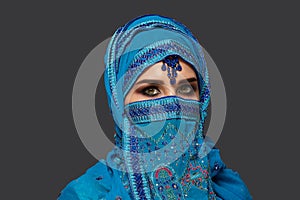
x: 163, y: 108
x: 171, y: 64
x: 164, y: 179
x: 136, y: 175
x: 166, y: 184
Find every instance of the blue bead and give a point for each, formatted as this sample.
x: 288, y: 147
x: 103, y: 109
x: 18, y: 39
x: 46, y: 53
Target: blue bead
x: 160, y: 188
x: 172, y: 81
x: 179, y: 68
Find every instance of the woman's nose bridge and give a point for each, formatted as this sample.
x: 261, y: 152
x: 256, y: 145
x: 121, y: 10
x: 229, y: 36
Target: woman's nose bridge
x: 170, y: 91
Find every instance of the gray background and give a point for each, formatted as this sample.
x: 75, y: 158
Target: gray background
x: 254, y: 44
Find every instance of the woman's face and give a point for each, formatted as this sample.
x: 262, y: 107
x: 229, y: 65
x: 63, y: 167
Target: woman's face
x: 154, y: 83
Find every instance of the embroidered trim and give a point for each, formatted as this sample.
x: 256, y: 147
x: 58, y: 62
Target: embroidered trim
x: 136, y: 173
x: 163, y: 108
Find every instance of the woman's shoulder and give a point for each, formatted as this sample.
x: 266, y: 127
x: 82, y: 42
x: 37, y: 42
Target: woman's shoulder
x: 95, y: 183
x: 101, y: 181
x: 88, y: 185
x: 226, y: 183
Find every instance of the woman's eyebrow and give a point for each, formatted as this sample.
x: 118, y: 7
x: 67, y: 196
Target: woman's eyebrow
x: 152, y: 81
x: 193, y: 79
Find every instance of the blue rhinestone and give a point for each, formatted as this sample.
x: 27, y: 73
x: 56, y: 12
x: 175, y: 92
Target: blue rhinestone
x: 179, y: 68
x: 160, y: 188
x: 216, y: 167
x: 163, y: 67
x: 172, y: 81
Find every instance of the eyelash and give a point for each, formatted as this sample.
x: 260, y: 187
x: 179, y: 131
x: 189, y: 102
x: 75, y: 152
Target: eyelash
x: 191, y: 92
x: 144, y: 89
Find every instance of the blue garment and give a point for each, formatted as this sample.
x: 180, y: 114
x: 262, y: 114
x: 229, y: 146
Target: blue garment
x: 102, y: 182
x: 161, y: 150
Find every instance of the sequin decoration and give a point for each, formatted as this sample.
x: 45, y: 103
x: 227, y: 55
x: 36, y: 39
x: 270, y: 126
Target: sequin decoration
x: 166, y: 184
x: 171, y: 64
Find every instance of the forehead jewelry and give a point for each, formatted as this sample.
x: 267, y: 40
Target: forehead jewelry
x: 171, y: 64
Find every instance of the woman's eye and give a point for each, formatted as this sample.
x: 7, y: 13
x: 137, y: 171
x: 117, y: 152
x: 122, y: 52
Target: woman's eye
x: 150, y: 91
x: 186, y: 90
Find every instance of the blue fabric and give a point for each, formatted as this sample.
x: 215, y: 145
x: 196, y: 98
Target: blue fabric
x: 227, y: 184
x: 140, y: 44
x: 193, y: 174
x: 167, y: 132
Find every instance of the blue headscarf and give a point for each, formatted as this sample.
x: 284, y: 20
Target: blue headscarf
x: 141, y: 43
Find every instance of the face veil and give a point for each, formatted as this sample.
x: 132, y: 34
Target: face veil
x: 158, y: 141
x: 164, y: 136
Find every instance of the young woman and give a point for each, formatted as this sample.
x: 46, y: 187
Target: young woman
x: 158, y: 91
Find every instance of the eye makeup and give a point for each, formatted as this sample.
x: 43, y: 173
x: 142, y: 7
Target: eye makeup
x: 150, y: 91
x: 186, y: 89
x: 153, y: 90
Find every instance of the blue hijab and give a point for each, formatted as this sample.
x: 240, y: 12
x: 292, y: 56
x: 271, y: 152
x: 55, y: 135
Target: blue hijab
x: 194, y: 174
